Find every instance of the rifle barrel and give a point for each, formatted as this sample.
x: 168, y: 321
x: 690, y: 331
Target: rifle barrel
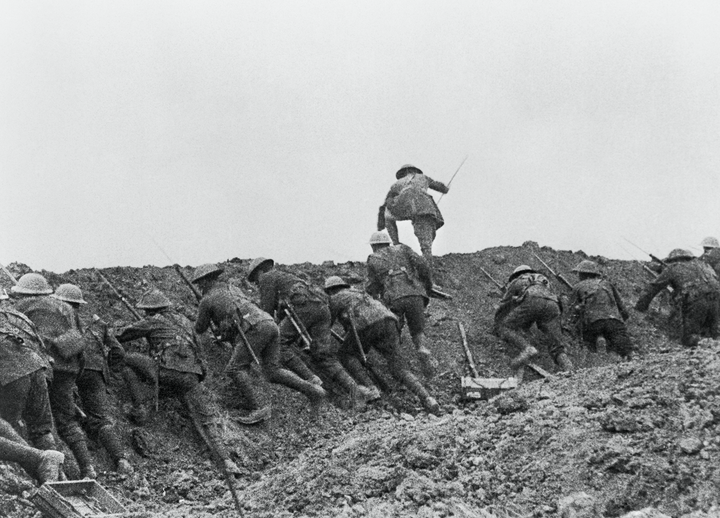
x: 7, y: 272
x: 118, y: 295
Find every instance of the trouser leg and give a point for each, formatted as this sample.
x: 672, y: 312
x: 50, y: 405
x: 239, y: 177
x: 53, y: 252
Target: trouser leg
x: 425, y: 228
x: 63, y: 406
x: 205, y: 418
x: 391, y: 227
x: 289, y: 357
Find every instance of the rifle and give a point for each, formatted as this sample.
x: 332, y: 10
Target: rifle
x: 12, y: 277
x: 292, y: 316
x: 496, y: 283
x: 353, y: 329
x: 137, y: 317
x: 189, y: 284
x: 243, y: 336
x: 453, y: 177
x: 437, y: 294
x: 118, y: 295
x: 652, y: 257
x: 558, y: 276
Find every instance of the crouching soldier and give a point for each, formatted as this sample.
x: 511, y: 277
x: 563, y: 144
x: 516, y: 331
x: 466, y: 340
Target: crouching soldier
x: 529, y: 300
x: 178, y: 370
x: 234, y: 315
x: 697, y: 289
x: 281, y: 292
x: 100, y: 347
x: 375, y: 326
x: 599, y: 312
x: 24, y: 396
x: 402, y: 280
x: 58, y: 326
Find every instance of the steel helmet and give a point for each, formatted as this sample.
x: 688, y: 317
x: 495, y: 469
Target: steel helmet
x: 69, y: 293
x: 153, y: 299
x: 256, y: 265
x: 710, y: 242
x: 335, y: 282
x: 679, y: 255
x: 380, y: 238
x: 206, y: 270
x: 406, y: 170
x: 32, y: 284
x: 587, y: 267
x: 523, y: 268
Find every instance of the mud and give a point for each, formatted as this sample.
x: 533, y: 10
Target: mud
x: 610, y: 438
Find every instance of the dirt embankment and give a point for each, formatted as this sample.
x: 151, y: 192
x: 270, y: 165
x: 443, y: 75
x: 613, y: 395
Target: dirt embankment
x: 629, y: 435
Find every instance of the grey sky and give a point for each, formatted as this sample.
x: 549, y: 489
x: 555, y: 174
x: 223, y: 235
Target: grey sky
x: 224, y: 129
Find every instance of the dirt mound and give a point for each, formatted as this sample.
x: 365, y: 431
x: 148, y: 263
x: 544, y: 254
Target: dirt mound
x: 629, y: 435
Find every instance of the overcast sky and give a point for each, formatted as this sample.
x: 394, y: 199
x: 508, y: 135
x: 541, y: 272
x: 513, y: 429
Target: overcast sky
x: 239, y: 129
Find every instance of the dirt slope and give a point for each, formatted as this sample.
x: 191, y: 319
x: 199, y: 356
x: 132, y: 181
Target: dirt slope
x: 630, y: 435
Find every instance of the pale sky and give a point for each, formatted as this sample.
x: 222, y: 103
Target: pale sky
x: 244, y: 129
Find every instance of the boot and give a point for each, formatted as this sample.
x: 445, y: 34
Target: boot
x: 50, y: 466
x: 563, y: 361
x: 247, y: 389
x: 109, y: 439
x: 299, y: 367
x: 428, y: 362
x: 314, y: 392
x: 431, y: 405
x: 79, y: 448
x: 524, y: 357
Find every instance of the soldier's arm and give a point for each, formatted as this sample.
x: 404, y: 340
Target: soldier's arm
x: 652, y: 289
x: 139, y: 329
x: 373, y: 286
x: 438, y: 186
x: 268, y: 295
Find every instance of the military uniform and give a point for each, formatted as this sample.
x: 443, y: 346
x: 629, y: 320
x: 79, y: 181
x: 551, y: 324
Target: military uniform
x: 227, y: 307
x: 596, y: 306
x: 698, y: 292
x: 408, y: 199
x: 179, y: 369
x: 23, y: 382
x: 99, y: 344
x: 377, y: 327
x: 44, y: 465
x: 712, y: 257
x: 311, y: 306
x: 402, y: 279
x: 529, y: 300
x: 58, y: 326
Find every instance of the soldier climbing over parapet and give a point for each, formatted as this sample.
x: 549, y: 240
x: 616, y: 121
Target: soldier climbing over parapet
x: 402, y: 280
x: 58, y: 326
x: 369, y: 324
x: 100, y: 349
x: 408, y: 199
x: 697, y: 289
x: 253, y: 334
x: 598, y: 311
x: 304, y: 316
x: 178, y: 368
x: 528, y: 300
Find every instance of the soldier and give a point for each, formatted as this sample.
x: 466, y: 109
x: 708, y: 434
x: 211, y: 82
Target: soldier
x: 280, y: 291
x: 598, y: 310
x: 43, y: 465
x: 408, y: 199
x: 178, y: 370
x: 233, y: 313
x: 100, y: 347
x: 711, y: 253
x: 529, y: 300
x: 376, y: 327
x: 58, y: 326
x: 697, y: 289
x: 24, y: 368
x: 402, y: 279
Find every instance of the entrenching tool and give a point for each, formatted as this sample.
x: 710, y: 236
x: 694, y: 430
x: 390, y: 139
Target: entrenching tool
x: 476, y: 387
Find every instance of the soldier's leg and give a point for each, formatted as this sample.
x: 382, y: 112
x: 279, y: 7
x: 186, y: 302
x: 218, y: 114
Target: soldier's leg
x: 289, y: 357
x: 205, y: 417
x: 93, y: 393
x: 316, y: 318
x: 425, y: 228
x: 391, y: 227
x: 268, y: 333
x: 514, y: 329
x: 140, y: 375
x: 694, y: 316
x: 239, y: 370
x: 37, y: 413
x: 43, y: 465
x: 548, y: 322
x: 413, y: 308
x: 617, y: 337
